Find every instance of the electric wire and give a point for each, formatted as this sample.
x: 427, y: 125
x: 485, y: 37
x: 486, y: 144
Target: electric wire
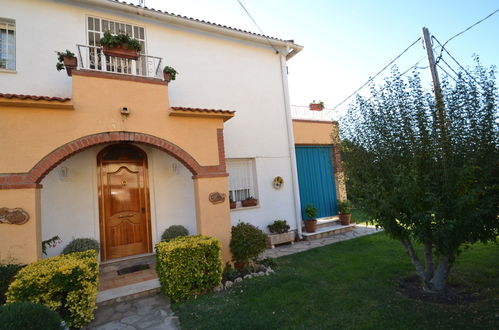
x: 261, y: 31
x: 448, y: 75
x: 377, y: 74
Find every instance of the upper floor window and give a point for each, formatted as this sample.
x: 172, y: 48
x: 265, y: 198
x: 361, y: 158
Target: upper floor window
x: 97, y: 26
x: 7, y: 44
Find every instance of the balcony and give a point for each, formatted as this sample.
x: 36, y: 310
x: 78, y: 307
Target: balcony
x: 92, y: 58
x: 304, y: 113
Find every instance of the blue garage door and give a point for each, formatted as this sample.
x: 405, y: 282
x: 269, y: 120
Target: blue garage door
x: 316, y: 179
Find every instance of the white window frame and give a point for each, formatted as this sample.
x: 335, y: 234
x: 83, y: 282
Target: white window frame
x: 7, y: 25
x: 242, y: 178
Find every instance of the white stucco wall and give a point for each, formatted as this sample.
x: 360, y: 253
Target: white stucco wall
x: 70, y: 206
x: 214, y: 72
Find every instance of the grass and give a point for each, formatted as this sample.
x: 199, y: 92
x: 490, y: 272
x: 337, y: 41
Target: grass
x: 359, y: 216
x: 348, y: 285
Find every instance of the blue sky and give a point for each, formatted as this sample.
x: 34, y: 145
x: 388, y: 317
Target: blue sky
x: 346, y: 42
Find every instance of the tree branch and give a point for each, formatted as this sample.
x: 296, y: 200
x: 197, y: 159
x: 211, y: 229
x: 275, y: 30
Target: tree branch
x: 414, y: 258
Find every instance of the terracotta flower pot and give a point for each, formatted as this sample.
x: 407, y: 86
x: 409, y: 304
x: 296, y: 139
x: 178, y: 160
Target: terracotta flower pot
x: 310, y: 225
x: 316, y: 106
x: 233, y: 205
x: 121, y: 51
x: 70, y: 64
x: 345, y: 218
x: 249, y: 202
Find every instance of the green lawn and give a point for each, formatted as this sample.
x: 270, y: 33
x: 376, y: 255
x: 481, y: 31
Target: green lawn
x: 348, y: 285
x: 359, y: 216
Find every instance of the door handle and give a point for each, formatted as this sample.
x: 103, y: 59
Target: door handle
x: 125, y: 215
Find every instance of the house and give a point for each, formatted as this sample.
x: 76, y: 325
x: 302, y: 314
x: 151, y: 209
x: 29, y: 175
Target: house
x: 114, y: 152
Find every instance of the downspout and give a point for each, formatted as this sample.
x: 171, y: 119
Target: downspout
x: 291, y: 142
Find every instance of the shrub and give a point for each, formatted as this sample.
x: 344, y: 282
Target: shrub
x: 229, y: 273
x: 311, y: 211
x: 344, y: 207
x: 188, y: 265
x: 7, y: 273
x: 247, y: 242
x: 174, y: 231
x: 28, y: 316
x: 80, y: 245
x: 66, y: 284
x: 279, y: 227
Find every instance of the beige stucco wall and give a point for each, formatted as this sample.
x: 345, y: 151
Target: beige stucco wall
x: 29, y: 133
x: 315, y: 132
x: 21, y: 243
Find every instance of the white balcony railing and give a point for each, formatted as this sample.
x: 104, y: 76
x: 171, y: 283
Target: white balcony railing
x: 92, y: 58
x: 303, y: 112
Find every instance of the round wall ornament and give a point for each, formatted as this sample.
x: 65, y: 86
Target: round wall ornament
x: 278, y: 182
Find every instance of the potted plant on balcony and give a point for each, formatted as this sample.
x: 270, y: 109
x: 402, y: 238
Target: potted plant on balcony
x: 344, y: 212
x: 310, y: 221
x: 279, y: 233
x: 66, y: 60
x: 316, y: 106
x: 250, y: 201
x: 120, y: 45
x: 232, y: 203
x: 169, y: 73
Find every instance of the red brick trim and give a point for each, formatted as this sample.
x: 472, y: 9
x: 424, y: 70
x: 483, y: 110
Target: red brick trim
x: 116, y: 76
x: 33, y: 178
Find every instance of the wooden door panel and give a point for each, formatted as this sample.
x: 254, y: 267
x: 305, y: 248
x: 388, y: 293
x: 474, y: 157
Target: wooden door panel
x: 124, y: 203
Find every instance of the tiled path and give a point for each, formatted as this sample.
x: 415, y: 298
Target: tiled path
x: 153, y: 311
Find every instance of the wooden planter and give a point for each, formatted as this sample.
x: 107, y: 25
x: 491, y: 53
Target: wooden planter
x: 249, y: 202
x: 275, y: 239
x: 316, y: 106
x: 121, y: 51
x: 310, y: 225
x: 345, y: 218
x: 70, y: 64
x: 233, y: 205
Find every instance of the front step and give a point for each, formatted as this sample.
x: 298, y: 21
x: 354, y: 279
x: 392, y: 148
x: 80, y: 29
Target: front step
x: 328, y: 222
x: 328, y: 231
x: 127, y: 278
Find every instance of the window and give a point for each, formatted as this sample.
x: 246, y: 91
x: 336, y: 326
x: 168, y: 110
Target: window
x: 7, y: 44
x: 95, y: 31
x: 241, y: 179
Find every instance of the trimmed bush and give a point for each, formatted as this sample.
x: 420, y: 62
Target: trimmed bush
x: 66, y: 284
x: 174, y: 231
x: 247, y: 242
x: 7, y: 273
x: 278, y: 227
x: 188, y: 266
x: 28, y: 316
x: 80, y: 245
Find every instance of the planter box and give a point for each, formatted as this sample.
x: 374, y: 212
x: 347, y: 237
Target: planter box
x: 70, y: 64
x: 316, y: 106
x: 122, y: 52
x: 249, y: 202
x: 233, y: 205
x: 275, y: 239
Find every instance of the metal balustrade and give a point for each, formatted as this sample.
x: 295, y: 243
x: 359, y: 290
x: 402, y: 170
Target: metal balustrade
x: 92, y: 58
x: 303, y: 112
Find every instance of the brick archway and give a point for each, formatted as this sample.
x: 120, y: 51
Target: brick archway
x: 33, y: 178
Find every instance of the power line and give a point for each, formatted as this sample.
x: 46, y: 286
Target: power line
x: 261, y: 31
x: 377, y: 74
x: 448, y: 74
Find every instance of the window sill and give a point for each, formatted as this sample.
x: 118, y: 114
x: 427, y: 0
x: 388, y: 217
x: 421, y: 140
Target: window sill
x: 245, y: 208
x: 8, y: 71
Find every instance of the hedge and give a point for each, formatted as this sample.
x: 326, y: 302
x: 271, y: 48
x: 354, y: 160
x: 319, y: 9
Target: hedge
x: 188, y: 266
x: 28, y: 316
x: 66, y: 284
x: 7, y: 273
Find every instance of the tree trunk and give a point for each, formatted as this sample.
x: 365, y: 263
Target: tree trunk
x: 428, y: 254
x: 439, y: 280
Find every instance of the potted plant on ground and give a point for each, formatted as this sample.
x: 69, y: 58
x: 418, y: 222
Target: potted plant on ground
x: 120, y: 45
x: 310, y: 221
x: 250, y: 201
x: 344, y: 212
x: 66, y: 60
x: 316, y: 106
x: 169, y: 73
x: 232, y: 203
x: 280, y: 233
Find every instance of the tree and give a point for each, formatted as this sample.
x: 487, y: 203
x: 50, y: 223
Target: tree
x: 422, y: 179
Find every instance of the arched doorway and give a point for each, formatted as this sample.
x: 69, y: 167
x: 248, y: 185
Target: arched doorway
x: 124, y: 207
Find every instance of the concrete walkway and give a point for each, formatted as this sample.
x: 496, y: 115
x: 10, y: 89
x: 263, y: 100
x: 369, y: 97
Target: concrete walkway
x: 286, y: 249
x: 153, y: 311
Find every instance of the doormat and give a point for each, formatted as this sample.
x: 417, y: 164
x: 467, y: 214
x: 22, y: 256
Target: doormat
x: 133, y: 269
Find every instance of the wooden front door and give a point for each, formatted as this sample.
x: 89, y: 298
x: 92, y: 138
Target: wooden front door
x: 125, y: 226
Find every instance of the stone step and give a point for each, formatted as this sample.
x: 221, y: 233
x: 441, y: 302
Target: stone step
x: 330, y: 230
x: 128, y: 292
x: 118, y: 264
x: 327, y: 222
